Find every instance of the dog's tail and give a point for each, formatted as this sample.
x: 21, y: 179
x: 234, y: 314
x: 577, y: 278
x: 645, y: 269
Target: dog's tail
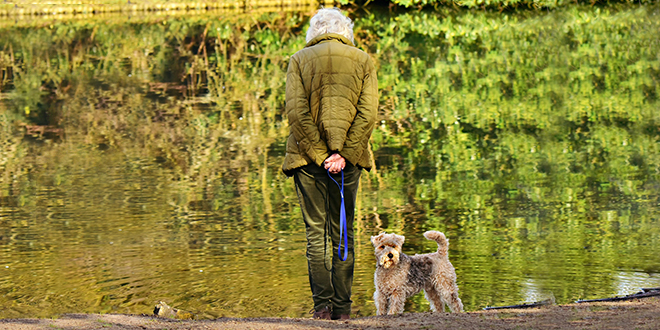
x: 443, y: 242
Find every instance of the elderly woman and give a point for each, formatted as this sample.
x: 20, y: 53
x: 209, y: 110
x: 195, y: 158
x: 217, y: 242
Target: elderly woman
x: 331, y: 104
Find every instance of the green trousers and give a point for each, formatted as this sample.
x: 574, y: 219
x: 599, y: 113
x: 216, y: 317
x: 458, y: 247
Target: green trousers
x: 329, y: 278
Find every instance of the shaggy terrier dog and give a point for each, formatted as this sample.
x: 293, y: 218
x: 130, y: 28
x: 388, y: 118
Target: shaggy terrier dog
x: 399, y: 276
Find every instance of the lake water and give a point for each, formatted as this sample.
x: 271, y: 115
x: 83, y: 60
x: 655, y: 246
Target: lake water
x: 140, y: 158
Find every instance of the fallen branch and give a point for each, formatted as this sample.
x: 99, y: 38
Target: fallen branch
x: 527, y: 305
x: 646, y: 292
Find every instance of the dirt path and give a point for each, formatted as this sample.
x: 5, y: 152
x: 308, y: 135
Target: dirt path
x: 638, y: 314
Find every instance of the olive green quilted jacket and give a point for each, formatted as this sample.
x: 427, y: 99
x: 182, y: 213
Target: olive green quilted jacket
x: 331, y: 103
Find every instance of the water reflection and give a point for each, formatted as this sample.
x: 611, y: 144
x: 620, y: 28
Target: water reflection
x: 630, y: 281
x: 537, y: 156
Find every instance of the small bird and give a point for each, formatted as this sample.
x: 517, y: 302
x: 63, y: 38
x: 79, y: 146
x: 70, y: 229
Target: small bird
x: 164, y: 310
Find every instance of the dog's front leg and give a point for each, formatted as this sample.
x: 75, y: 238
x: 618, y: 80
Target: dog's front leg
x: 397, y: 301
x: 381, y: 302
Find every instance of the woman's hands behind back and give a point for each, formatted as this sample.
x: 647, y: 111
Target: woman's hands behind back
x: 335, y: 163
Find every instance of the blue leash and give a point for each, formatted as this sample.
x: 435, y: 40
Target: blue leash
x: 343, y: 226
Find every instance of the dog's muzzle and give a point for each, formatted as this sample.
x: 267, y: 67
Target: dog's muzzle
x: 387, y: 260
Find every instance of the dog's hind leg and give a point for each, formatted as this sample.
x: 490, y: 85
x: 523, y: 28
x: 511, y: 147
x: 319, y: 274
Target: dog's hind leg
x: 453, y: 301
x: 431, y: 294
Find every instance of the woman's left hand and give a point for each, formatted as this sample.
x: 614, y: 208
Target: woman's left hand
x: 335, y: 163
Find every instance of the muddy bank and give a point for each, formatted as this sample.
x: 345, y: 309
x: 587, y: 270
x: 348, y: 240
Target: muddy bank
x: 638, y: 314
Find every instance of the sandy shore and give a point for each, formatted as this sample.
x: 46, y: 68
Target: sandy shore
x: 637, y: 314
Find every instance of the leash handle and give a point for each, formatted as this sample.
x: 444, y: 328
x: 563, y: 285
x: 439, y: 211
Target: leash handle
x: 343, y: 225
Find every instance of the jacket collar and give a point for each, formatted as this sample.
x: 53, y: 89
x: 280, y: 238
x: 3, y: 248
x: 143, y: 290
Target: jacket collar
x: 329, y: 37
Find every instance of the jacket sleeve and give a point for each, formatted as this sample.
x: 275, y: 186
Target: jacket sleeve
x: 357, y: 137
x: 299, y: 113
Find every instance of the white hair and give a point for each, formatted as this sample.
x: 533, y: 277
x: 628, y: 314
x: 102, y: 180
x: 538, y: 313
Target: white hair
x: 330, y: 20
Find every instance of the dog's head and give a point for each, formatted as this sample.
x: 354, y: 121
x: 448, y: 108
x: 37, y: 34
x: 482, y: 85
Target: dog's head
x: 388, y: 248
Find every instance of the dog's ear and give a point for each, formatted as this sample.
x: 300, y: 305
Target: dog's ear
x: 399, y: 240
x: 375, y: 239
